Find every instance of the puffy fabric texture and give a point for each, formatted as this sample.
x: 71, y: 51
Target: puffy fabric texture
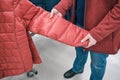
x: 17, y: 50
x: 58, y: 29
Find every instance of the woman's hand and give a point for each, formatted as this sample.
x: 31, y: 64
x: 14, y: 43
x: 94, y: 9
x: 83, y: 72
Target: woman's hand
x: 55, y: 12
x: 92, y: 41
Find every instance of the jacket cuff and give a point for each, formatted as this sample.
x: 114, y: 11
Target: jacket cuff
x: 95, y: 35
x: 60, y: 9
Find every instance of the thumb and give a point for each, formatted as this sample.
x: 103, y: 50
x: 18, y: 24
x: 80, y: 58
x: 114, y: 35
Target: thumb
x: 85, y: 38
x: 51, y: 14
x: 59, y: 14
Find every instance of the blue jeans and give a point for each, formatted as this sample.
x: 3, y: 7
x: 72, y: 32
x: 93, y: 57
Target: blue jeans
x: 98, y: 63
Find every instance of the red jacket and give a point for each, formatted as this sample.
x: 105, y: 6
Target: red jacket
x: 17, y: 50
x: 102, y: 19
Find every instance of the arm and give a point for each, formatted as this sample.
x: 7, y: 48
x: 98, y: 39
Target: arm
x: 109, y: 24
x: 57, y: 28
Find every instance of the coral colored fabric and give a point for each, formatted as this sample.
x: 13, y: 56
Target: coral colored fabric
x: 58, y: 29
x: 17, y: 50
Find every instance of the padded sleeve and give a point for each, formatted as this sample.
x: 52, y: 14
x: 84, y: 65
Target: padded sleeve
x: 57, y: 28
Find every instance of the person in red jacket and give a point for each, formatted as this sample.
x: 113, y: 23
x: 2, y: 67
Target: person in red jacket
x: 101, y: 18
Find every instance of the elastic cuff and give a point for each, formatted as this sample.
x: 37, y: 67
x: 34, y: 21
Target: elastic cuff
x: 95, y: 36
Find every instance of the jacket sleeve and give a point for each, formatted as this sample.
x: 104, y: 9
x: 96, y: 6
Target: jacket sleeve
x: 63, y: 6
x: 109, y: 24
x: 57, y: 28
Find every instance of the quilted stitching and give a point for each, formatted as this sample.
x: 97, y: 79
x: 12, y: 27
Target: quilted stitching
x: 16, y: 52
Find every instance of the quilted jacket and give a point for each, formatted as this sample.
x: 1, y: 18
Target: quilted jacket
x: 17, y: 50
x: 102, y: 19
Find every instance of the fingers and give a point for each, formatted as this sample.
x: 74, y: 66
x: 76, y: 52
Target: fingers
x: 55, y: 11
x: 85, y: 38
x: 92, y: 41
x: 59, y: 14
x: 52, y: 13
x: 89, y: 45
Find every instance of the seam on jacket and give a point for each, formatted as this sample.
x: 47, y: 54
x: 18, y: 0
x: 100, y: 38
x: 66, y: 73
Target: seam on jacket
x: 17, y: 40
x: 35, y: 15
x: 77, y: 36
x: 18, y: 3
x: 52, y: 25
x: 64, y: 31
x: 26, y: 10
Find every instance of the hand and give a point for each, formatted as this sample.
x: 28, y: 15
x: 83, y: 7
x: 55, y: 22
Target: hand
x: 55, y: 11
x: 92, y: 41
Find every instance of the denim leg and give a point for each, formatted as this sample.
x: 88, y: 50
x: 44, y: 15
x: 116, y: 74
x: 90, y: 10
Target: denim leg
x: 98, y: 65
x: 80, y: 60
